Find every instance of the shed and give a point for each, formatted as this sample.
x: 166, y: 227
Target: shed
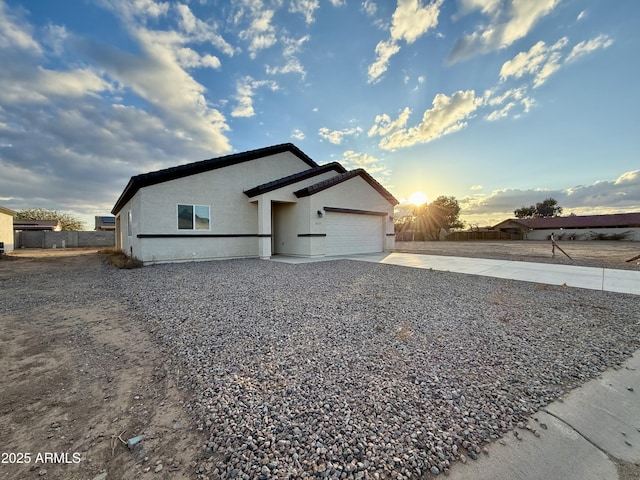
x: 270, y: 201
x: 6, y: 229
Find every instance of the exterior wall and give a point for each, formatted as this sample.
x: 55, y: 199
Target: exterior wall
x: 233, y: 218
x: 68, y: 239
x: 6, y: 231
x: 354, y: 193
x: 130, y: 243
x: 581, y: 233
x: 293, y: 226
x: 292, y: 218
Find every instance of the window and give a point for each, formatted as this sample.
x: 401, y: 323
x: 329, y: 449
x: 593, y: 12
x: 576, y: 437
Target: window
x: 129, y: 223
x: 193, y: 217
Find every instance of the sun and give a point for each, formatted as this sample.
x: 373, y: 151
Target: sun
x: 418, y: 198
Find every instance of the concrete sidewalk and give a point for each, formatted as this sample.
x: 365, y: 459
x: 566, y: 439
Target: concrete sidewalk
x: 580, y: 438
x: 607, y: 279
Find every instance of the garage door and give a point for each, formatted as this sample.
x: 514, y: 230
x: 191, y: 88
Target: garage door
x: 349, y: 233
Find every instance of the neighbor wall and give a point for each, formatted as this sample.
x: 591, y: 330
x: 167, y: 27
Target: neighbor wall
x: 47, y: 239
x: 633, y: 234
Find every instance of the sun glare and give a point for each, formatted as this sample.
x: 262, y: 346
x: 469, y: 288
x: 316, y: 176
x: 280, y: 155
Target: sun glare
x: 417, y: 198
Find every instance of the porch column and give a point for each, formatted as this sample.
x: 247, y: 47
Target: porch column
x: 264, y: 228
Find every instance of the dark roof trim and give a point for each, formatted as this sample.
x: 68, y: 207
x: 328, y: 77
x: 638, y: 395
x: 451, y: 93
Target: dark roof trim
x: 353, y: 210
x: 291, y: 179
x: 153, y: 178
x: 359, y: 172
x: 202, y: 235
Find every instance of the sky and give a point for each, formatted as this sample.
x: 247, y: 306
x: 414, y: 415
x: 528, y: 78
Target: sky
x: 499, y: 103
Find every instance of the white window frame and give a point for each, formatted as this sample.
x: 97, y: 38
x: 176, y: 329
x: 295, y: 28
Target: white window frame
x: 193, y: 219
x: 129, y: 223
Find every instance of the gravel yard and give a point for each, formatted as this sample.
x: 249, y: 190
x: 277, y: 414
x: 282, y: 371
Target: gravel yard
x: 345, y: 369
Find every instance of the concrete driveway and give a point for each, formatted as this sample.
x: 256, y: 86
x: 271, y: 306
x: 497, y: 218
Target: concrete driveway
x: 607, y: 279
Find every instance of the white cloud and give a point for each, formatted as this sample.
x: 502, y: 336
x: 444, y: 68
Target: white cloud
x: 373, y: 166
x: 15, y: 32
x: 581, y: 15
x: 541, y: 61
x: 508, y: 21
x: 476, y: 187
x: 297, y: 134
x: 501, y: 113
x: 384, y: 51
x: 619, y: 195
x: 261, y: 34
x: 306, y: 7
x: 337, y: 136
x: 369, y: 7
x: 409, y: 21
x: 246, y: 90
x: 292, y: 63
x: 39, y: 85
x: 508, y: 101
x: 197, y: 30
x: 448, y: 115
x: 189, y: 58
x: 588, y: 46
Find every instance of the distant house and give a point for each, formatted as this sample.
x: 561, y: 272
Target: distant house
x: 575, y: 227
x: 6, y: 229
x: 41, y: 225
x: 269, y: 201
x: 105, y: 223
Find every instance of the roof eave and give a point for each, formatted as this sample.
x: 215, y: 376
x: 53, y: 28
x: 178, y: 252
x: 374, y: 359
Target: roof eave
x: 173, y: 173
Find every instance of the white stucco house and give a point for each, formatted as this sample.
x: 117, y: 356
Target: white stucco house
x: 270, y: 201
x: 6, y: 229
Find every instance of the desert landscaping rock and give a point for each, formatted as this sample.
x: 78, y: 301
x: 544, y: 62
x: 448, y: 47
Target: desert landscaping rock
x: 337, y: 369
x: 340, y: 369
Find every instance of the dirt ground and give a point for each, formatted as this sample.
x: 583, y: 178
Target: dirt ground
x: 82, y: 374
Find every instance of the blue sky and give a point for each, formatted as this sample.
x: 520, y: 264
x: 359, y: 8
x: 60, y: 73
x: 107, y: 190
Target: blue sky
x: 500, y: 103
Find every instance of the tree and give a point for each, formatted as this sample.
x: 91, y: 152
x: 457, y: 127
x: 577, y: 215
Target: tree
x: 447, y: 211
x: 67, y: 221
x: 429, y: 219
x: 546, y: 208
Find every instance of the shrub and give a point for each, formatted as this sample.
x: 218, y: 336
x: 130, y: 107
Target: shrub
x: 610, y: 236
x: 119, y: 260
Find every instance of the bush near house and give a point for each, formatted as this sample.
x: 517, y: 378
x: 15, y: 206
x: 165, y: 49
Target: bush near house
x: 119, y: 260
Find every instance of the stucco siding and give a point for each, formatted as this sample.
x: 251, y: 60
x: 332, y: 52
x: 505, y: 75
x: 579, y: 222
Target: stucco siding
x: 181, y: 249
x: 130, y: 244
x: 6, y: 231
x: 222, y: 190
x: 357, y: 194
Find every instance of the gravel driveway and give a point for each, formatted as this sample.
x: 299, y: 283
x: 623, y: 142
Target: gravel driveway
x: 346, y: 369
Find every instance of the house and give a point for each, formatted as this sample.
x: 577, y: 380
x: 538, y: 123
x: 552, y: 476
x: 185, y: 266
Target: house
x: 37, y: 225
x: 105, y: 223
x: 575, y: 227
x: 270, y: 201
x: 6, y: 230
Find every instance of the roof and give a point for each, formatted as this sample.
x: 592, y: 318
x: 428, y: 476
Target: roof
x: 36, y: 224
x: 296, y: 177
x: 621, y: 220
x: 153, y: 178
x: 358, y: 172
x: 7, y: 211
